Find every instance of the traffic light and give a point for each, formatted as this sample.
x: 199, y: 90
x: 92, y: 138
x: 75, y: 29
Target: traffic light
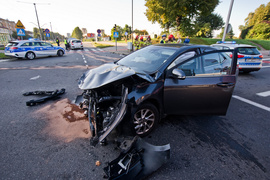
x: 114, y: 27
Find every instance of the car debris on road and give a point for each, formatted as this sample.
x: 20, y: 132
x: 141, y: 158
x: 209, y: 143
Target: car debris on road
x: 48, y: 95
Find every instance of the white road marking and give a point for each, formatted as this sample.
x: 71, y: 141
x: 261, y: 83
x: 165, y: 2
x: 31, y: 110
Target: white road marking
x: 86, y: 49
x: 85, y: 61
x: 93, y: 49
x: 264, y: 94
x: 34, y: 78
x: 252, y: 103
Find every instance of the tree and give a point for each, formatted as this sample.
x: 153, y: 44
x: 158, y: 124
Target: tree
x: 205, y: 25
x: 229, y: 35
x: 141, y: 32
x: 257, y: 23
x: 178, y: 13
x: 77, y: 33
x: 127, y: 29
x: 36, y: 32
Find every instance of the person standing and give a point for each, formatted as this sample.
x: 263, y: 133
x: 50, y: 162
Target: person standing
x: 162, y: 41
x: 66, y: 44
x: 187, y: 40
x: 57, y: 41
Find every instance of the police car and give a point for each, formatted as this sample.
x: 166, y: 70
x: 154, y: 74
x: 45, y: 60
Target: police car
x: 249, y: 57
x: 31, y: 49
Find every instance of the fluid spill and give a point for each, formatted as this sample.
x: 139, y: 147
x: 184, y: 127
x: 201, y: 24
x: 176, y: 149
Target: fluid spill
x: 65, y: 121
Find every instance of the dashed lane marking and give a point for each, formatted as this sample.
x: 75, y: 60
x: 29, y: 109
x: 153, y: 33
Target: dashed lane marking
x: 252, y: 103
x: 264, y: 94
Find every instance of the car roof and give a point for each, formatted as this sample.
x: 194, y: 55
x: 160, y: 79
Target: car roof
x: 232, y: 46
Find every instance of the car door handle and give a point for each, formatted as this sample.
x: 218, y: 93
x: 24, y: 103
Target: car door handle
x: 226, y: 84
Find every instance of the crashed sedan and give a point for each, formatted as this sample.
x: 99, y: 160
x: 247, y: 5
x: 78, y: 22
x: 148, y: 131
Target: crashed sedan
x: 145, y: 86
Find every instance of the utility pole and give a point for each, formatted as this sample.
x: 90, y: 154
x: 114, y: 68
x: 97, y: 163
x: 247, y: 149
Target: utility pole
x: 227, y: 22
x: 132, y: 24
x: 52, y: 31
x: 41, y: 33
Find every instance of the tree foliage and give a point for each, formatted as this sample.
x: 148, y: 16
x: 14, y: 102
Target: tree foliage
x: 77, y: 33
x: 205, y: 25
x: 257, y: 24
x: 36, y: 32
x: 179, y: 13
x: 229, y: 35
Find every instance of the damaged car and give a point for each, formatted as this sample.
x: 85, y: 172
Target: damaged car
x: 145, y: 86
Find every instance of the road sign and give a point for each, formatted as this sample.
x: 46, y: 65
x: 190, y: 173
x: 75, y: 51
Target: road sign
x: 20, y: 32
x: 47, y: 34
x: 98, y: 31
x: 47, y: 31
x: 126, y: 33
x: 115, y: 34
x: 19, y: 25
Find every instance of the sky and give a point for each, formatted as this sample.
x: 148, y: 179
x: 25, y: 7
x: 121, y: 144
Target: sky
x: 64, y: 15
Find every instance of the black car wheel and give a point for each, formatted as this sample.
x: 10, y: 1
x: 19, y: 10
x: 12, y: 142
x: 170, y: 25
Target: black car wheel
x: 30, y: 55
x: 60, y: 53
x: 145, y: 119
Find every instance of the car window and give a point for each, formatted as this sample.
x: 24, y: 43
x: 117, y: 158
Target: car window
x: 36, y: 44
x: 76, y: 41
x: 182, y: 58
x: 45, y: 44
x: 27, y: 44
x: 248, y: 50
x: 213, y: 64
x: 12, y: 44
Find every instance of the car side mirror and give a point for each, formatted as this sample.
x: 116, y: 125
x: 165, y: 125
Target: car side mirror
x: 179, y: 73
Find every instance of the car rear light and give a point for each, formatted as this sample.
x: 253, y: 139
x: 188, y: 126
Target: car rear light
x: 14, y: 48
x: 261, y: 56
x: 72, y: 44
x: 81, y: 43
x: 238, y: 56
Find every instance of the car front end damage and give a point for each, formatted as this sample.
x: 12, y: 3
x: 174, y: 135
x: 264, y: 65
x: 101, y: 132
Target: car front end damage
x: 109, y: 93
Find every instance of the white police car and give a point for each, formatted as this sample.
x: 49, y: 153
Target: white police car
x: 249, y: 57
x: 31, y: 49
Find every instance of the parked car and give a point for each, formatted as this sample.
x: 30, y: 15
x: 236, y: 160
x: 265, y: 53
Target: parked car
x: 75, y: 44
x: 156, y: 81
x: 31, y: 49
x: 249, y: 57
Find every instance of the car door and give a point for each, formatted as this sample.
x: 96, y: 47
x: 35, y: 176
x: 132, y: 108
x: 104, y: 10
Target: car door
x: 206, y: 88
x: 47, y: 49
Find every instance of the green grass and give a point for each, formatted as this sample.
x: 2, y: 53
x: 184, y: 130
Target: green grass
x: 264, y: 43
x: 2, y: 48
x: 99, y: 45
x: 2, y: 56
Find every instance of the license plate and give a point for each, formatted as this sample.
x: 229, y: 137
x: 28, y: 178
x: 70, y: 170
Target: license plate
x: 251, y: 60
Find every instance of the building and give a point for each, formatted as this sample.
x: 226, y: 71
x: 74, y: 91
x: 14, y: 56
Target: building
x: 6, y: 29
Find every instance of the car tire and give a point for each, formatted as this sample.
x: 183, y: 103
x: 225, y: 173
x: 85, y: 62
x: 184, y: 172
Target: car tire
x: 30, y: 55
x: 145, y: 119
x: 60, y: 53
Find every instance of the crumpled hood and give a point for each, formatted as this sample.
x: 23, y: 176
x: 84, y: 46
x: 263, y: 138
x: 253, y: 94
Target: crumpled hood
x: 106, y: 74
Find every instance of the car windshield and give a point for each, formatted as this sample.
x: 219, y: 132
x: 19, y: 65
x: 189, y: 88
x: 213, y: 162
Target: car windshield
x: 76, y: 41
x: 148, y: 59
x: 248, y: 50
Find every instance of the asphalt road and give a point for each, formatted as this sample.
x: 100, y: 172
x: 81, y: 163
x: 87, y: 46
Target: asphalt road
x: 40, y: 143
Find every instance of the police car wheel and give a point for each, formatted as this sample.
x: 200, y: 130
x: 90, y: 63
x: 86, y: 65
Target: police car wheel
x: 60, y: 53
x: 30, y: 55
